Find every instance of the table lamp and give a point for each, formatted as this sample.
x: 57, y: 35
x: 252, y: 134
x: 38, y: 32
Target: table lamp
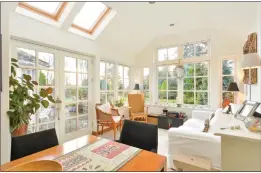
x: 137, y: 87
x: 233, y: 88
x: 250, y: 60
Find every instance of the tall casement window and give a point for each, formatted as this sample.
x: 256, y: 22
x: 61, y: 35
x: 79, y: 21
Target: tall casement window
x: 123, y: 80
x: 146, y: 83
x: 167, y: 85
x: 228, y: 76
x: 106, y: 82
x: 195, y: 83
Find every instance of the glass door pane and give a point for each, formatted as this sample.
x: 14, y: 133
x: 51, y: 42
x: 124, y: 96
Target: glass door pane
x: 75, y: 95
x: 39, y: 63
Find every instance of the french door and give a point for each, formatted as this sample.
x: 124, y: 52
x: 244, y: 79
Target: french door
x: 69, y: 76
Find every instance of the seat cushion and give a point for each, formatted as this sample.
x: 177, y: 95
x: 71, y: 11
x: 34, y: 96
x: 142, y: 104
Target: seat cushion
x: 194, y: 123
x: 116, y: 119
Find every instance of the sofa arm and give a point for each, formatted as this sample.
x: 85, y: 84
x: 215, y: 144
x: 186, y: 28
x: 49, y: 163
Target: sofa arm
x: 202, y: 115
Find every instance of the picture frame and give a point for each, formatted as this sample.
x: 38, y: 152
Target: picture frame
x: 247, y: 109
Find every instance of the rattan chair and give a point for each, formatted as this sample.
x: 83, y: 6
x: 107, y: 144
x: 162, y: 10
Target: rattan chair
x: 112, y: 119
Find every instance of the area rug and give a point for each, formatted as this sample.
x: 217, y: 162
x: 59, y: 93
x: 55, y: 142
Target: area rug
x: 102, y: 155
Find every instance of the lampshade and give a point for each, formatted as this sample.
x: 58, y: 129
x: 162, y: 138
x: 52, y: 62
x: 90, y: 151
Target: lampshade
x: 137, y: 87
x: 251, y: 60
x: 233, y: 87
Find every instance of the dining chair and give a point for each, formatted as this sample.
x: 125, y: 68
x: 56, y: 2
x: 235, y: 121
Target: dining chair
x: 25, y: 145
x: 108, y: 119
x: 140, y: 135
x: 138, y: 110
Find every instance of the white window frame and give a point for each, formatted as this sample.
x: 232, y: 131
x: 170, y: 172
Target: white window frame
x: 143, y: 79
x: 167, y: 91
x: 195, y: 90
x: 106, y: 91
x: 233, y: 58
x: 124, y: 91
x: 37, y: 68
x: 167, y: 59
x: 194, y: 45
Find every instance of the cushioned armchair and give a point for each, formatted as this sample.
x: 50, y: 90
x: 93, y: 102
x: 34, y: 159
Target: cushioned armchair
x: 140, y: 135
x: 110, y: 118
x: 138, y: 110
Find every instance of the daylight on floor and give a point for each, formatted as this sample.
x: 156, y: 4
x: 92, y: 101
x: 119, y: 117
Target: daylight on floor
x: 130, y: 86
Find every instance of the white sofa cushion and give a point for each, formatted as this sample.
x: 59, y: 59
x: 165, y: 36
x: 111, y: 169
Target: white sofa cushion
x: 201, y: 114
x: 194, y: 123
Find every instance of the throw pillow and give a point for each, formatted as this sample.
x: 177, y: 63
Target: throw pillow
x: 206, y: 125
x: 105, y: 108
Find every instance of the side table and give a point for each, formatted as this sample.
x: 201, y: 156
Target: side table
x: 166, y: 122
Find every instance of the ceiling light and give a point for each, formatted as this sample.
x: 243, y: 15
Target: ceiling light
x: 172, y: 24
x: 152, y: 2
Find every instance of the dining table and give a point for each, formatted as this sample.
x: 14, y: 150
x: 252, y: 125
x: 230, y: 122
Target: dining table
x: 143, y: 161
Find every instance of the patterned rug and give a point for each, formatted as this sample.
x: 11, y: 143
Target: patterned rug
x: 102, y: 155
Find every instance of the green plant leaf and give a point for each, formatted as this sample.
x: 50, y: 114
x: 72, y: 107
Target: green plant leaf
x: 43, y: 93
x: 45, y: 103
x: 37, y: 106
x: 14, y: 60
x: 34, y: 82
x: 36, y: 96
x: 50, y: 98
x: 27, y: 77
x: 12, y: 69
x: 14, y: 64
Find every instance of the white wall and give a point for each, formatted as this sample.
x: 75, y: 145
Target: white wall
x: 5, y: 132
x: 26, y: 27
x: 223, y: 43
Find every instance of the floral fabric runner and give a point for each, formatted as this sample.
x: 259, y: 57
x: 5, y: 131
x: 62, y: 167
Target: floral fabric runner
x: 102, y: 155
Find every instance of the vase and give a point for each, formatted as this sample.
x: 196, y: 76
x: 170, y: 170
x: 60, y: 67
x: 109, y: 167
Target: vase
x: 20, y: 131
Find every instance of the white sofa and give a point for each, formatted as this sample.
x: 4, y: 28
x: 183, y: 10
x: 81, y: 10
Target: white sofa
x: 189, y: 138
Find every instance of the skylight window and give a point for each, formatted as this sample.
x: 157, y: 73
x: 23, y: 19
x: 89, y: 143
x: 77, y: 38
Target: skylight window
x: 90, y: 16
x: 52, y: 10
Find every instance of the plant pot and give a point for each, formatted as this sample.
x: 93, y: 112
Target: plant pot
x: 20, y: 131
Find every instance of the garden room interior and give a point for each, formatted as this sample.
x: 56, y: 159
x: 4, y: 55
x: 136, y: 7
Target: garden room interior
x: 81, y: 61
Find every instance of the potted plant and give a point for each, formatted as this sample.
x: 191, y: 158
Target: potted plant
x: 119, y: 103
x: 22, y: 103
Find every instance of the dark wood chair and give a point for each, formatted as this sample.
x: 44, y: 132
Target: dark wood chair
x: 140, y: 135
x: 25, y: 145
x: 112, y: 119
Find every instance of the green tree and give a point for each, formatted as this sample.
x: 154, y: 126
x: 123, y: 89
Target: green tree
x: 42, y: 78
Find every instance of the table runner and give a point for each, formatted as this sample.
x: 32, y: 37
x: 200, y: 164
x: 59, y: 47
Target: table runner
x: 102, y: 155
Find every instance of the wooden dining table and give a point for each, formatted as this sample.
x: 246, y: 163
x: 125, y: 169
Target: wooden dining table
x: 143, y: 161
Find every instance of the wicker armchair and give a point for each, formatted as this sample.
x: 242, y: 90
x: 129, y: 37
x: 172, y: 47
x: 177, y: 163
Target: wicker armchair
x: 112, y: 119
x: 138, y: 110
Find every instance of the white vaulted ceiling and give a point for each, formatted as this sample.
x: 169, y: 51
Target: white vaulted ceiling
x: 136, y: 24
